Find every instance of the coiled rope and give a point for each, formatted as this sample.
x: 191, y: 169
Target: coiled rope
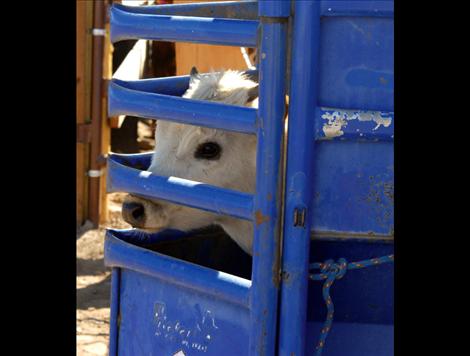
x: 331, y: 271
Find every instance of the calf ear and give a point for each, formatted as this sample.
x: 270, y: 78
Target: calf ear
x: 253, y: 93
x: 193, y: 75
x: 193, y: 72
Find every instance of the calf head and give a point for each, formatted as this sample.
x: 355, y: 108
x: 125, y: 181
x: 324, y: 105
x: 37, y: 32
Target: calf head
x: 221, y: 158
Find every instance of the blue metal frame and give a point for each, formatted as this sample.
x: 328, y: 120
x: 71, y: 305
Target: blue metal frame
x: 229, y: 32
x: 354, y: 91
x: 267, y: 200
x: 299, y: 185
x: 306, y: 95
x: 134, y: 98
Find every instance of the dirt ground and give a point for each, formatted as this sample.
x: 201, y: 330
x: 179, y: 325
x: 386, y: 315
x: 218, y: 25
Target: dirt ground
x: 93, y: 278
x: 94, y: 283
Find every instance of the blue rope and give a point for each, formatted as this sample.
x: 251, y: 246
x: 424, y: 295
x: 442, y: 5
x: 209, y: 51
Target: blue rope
x: 330, y: 271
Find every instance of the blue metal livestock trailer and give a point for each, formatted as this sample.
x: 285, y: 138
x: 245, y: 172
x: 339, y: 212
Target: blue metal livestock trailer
x: 320, y: 280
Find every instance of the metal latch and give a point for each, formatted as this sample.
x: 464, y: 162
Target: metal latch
x: 299, y: 216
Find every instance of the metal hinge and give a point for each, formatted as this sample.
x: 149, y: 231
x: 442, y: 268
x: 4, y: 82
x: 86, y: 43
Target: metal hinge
x: 299, y: 216
x: 83, y: 133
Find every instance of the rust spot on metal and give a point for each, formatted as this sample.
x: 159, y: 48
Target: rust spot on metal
x: 388, y: 190
x: 275, y: 272
x: 270, y: 197
x: 260, y: 218
x: 285, y: 276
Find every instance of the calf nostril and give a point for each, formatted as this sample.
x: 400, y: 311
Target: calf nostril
x: 133, y: 213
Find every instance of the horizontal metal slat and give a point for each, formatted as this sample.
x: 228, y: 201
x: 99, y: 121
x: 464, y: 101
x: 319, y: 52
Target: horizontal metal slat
x: 219, y: 284
x: 176, y: 190
x: 127, y: 24
x: 247, y: 10
x: 125, y: 101
x: 175, y: 85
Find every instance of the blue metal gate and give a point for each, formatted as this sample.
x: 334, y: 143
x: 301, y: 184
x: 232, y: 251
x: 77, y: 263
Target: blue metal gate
x: 338, y: 184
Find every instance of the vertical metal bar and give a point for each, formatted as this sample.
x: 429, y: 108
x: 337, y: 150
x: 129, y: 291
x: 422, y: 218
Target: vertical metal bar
x: 114, y: 316
x: 299, y: 178
x: 267, y: 202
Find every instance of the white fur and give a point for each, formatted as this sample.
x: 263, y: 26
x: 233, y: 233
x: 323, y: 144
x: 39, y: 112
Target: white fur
x: 174, y: 156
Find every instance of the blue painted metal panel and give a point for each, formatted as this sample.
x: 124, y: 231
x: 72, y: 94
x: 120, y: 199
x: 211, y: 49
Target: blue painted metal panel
x: 125, y: 101
x: 369, y: 8
x: 178, y: 190
x: 356, y: 63
x: 128, y: 24
x: 353, y: 339
x: 167, y: 305
x: 353, y: 191
x: 150, y: 282
x: 160, y: 318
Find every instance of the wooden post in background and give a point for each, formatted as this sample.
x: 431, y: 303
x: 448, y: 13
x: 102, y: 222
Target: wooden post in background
x: 206, y: 57
x: 95, y: 173
x: 106, y: 127
x: 83, y: 71
x: 80, y: 119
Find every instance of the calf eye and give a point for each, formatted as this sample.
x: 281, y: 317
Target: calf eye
x: 208, y: 150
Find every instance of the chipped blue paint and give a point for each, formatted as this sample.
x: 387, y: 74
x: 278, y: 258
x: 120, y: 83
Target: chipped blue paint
x: 355, y: 124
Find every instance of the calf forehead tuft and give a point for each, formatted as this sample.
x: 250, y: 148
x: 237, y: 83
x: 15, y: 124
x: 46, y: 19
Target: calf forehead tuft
x: 230, y: 87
